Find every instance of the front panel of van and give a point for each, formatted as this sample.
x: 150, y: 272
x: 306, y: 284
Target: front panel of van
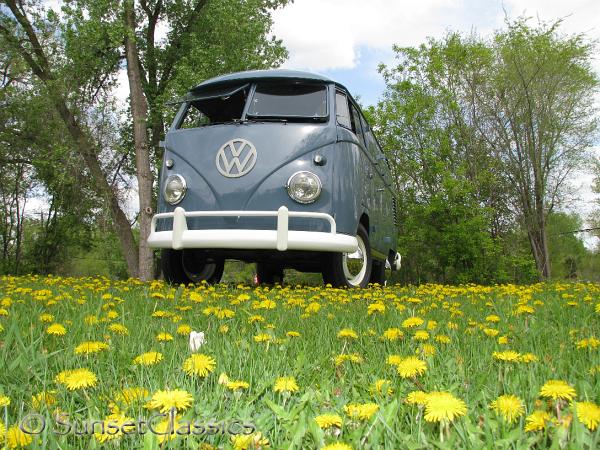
x: 281, y: 148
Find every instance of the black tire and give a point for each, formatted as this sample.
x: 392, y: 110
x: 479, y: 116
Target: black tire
x: 188, y: 266
x: 269, y: 273
x: 339, y: 273
x: 378, y: 272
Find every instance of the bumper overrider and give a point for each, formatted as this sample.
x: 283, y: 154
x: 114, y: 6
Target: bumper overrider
x: 180, y: 237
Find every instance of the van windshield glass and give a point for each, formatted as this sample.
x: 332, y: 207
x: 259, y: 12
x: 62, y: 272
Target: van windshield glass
x: 300, y: 102
x: 223, y: 105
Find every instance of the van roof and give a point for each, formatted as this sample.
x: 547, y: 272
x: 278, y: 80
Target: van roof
x: 253, y: 75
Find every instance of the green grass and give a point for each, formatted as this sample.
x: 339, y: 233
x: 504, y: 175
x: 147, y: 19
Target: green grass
x: 465, y: 366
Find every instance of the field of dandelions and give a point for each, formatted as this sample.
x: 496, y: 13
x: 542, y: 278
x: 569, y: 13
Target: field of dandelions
x: 94, y: 363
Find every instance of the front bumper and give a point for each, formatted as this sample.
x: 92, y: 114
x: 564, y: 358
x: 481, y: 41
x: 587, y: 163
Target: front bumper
x: 280, y: 239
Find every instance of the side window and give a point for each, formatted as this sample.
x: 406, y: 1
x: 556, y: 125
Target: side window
x: 356, y: 125
x: 194, y: 118
x: 341, y: 110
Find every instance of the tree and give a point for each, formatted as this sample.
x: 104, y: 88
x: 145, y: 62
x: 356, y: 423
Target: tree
x: 537, y: 114
x: 78, y: 55
x: 511, y: 116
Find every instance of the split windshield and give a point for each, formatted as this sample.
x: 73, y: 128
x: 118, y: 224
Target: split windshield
x: 294, y: 102
x: 290, y: 101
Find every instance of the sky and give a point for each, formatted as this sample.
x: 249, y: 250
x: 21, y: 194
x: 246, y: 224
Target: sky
x: 346, y: 40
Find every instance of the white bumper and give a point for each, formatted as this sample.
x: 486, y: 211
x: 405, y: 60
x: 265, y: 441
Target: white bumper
x: 280, y: 239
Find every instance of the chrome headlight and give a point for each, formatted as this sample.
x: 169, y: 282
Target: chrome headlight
x: 175, y: 189
x: 304, y: 187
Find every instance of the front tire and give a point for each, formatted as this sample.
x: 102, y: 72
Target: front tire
x: 350, y: 269
x: 189, y: 266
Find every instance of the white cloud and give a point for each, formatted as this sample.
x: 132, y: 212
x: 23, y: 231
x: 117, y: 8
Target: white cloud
x: 323, y: 35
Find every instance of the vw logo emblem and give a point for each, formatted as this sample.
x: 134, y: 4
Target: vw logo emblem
x: 236, y: 158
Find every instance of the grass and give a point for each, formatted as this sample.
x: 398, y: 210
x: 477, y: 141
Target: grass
x: 556, y: 330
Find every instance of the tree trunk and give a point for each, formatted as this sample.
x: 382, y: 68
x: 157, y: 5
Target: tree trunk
x: 139, y: 110
x: 38, y: 63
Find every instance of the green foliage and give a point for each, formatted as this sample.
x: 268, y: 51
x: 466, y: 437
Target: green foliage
x: 481, y: 138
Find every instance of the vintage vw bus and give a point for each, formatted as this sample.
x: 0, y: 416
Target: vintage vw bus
x: 279, y: 168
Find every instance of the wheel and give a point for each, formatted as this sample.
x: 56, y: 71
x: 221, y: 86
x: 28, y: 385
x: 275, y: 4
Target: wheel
x: 350, y: 269
x: 269, y: 273
x: 189, y: 266
x: 378, y: 272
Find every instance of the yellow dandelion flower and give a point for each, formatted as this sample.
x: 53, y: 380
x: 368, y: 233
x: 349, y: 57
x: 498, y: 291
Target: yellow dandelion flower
x: 417, y: 398
x: 114, y: 427
x: 588, y: 414
x: 524, y: 309
x: 352, y: 357
x: 510, y: 407
x: 507, y: 356
x: 4, y: 400
x: 557, y: 390
x: 442, y: 339
x: 492, y: 318
x: 528, y: 357
x: 591, y: 343
x: 412, y: 322
x: 46, y: 318
x: 361, y: 411
x: 166, y: 400
x: 47, y: 398
x: 199, y: 364
x: 223, y: 329
x: 16, y: 438
x: 393, y: 334
x: 119, y: 329
x: 164, y: 337
x: 132, y: 394
x: 347, y: 333
x: 77, y: 379
x: 91, y: 320
x: 491, y: 332
x: 184, y: 330
x: 421, y: 335
x: 536, y: 421
x: 394, y: 360
x: 285, y: 384
x: 237, y: 385
x: 292, y: 334
x: 375, y: 308
x: 411, y: 367
x: 253, y: 441
x: 2, y: 432
x: 263, y: 337
x: 148, y: 359
x: 381, y: 387
x: 90, y: 347
x: 443, y: 407
x: 326, y: 421
x: 502, y: 340
x: 56, y: 329
x: 337, y: 446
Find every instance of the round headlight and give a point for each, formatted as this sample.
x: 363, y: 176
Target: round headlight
x: 304, y: 187
x: 175, y: 189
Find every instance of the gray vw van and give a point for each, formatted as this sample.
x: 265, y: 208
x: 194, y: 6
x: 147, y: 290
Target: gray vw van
x: 279, y: 168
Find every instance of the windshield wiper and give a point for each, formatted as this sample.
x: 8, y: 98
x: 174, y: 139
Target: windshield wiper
x: 250, y: 118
